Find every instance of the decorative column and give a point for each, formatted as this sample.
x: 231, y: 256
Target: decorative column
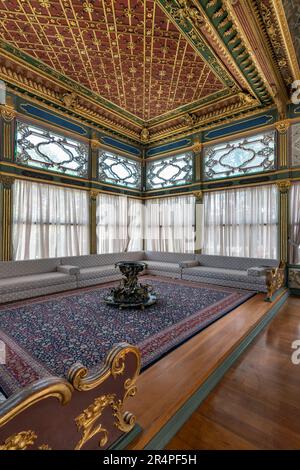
x: 93, y: 228
x: 282, y: 129
x: 95, y: 145
x: 6, y: 183
x: 197, y: 148
x: 283, y: 187
x: 8, y: 115
x: 198, y: 221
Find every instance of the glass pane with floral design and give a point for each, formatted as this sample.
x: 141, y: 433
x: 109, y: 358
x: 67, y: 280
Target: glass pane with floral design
x: 171, y: 171
x: 119, y: 170
x: 41, y: 148
x: 253, y: 154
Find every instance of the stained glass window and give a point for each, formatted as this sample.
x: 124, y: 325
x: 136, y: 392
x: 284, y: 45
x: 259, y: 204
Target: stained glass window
x: 248, y: 155
x: 119, y: 170
x: 41, y: 148
x: 171, y: 171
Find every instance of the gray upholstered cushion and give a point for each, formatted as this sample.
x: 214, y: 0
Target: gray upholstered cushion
x: 32, y: 281
x: 257, y: 271
x: 66, y: 269
x: 167, y: 257
x: 88, y: 261
x: 189, y: 264
x: 98, y: 272
x: 162, y: 266
x: 234, y: 262
x: 226, y: 274
x: 26, y: 267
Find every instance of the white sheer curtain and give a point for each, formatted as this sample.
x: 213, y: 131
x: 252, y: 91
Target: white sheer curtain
x: 119, y: 224
x: 294, y: 224
x: 49, y: 221
x: 242, y: 222
x: 170, y: 224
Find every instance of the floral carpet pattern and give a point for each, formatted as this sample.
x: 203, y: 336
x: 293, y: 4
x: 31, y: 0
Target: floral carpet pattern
x: 45, y: 336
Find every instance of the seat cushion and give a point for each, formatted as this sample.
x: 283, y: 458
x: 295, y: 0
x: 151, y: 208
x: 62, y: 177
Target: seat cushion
x: 106, y: 259
x: 98, y: 271
x: 162, y: 266
x: 221, y: 273
x: 33, y: 281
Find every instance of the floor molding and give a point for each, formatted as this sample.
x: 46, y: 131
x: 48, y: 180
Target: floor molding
x: 161, y: 439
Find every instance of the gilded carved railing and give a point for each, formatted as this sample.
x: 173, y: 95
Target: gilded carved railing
x: 275, y: 280
x: 92, y: 414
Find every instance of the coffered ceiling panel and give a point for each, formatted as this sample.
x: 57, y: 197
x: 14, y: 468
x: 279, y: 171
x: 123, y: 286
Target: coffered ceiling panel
x: 127, y: 51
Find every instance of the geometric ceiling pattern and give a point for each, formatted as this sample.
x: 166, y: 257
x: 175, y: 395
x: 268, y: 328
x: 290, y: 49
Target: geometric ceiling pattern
x: 127, y: 51
x: 152, y: 70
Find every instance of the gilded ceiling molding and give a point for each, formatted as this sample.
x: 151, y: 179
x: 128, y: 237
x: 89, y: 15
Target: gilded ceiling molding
x: 30, y: 63
x: 221, y: 17
x: 274, y: 24
x: 68, y: 100
x: 189, y: 21
x: 193, y: 123
x: 242, y: 12
x: 176, y: 132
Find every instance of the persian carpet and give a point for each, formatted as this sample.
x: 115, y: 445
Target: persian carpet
x: 45, y: 336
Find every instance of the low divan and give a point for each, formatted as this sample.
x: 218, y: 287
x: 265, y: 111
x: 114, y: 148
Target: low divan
x: 31, y: 278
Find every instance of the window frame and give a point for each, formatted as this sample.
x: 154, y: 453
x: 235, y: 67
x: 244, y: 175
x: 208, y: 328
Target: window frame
x: 64, y: 134
x: 188, y: 153
x: 228, y: 141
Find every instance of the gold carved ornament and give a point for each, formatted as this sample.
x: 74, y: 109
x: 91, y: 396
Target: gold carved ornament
x: 88, y: 421
x: 7, y: 181
x: 70, y: 100
x: 7, y: 112
x: 282, y: 126
x: 284, y: 186
x: 22, y: 440
x: 198, y: 195
x: 275, y: 279
x: 145, y: 134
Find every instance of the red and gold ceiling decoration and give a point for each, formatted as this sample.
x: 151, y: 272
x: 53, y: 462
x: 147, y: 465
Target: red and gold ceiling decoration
x: 148, y: 69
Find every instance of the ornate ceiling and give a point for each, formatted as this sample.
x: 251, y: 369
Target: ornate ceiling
x: 292, y: 12
x: 150, y: 69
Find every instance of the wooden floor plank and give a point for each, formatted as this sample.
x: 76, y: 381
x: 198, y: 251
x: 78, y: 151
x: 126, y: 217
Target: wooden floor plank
x: 258, y: 399
x: 167, y: 385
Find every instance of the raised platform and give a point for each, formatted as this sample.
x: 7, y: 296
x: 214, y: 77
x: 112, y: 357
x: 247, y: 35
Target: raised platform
x: 171, y: 390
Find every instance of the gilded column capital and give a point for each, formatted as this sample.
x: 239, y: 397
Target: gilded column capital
x: 7, y: 112
x: 284, y: 186
x: 197, y: 147
x: 199, y: 196
x: 7, y: 181
x: 282, y: 126
x: 94, y: 193
x: 95, y: 144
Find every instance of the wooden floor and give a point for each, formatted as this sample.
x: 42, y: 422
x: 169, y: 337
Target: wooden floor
x: 257, y: 403
x: 166, y: 386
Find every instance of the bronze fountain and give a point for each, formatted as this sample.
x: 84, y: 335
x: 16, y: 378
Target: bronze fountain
x: 130, y: 292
